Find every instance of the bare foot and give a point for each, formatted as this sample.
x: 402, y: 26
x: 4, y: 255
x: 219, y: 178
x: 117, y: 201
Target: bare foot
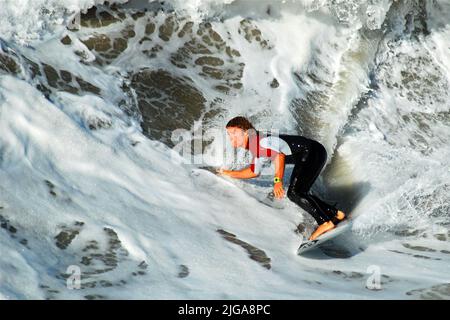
x: 324, y: 227
x: 340, y: 215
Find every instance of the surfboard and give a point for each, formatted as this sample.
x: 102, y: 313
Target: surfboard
x: 260, y: 194
x: 311, y: 244
x: 268, y: 199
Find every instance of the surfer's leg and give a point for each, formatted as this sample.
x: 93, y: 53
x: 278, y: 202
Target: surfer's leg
x: 310, y: 204
x: 307, y: 169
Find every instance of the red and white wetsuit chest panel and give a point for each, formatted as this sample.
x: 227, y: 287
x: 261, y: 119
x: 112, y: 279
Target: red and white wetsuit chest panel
x: 264, y: 150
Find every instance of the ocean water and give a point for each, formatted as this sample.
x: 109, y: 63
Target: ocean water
x: 97, y: 99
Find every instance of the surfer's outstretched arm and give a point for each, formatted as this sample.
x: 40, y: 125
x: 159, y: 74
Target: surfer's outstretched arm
x: 279, y: 173
x: 246, y: 173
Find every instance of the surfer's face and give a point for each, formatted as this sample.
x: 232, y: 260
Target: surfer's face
x: 238, y: 137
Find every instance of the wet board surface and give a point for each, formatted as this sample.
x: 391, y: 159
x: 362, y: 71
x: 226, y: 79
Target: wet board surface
x: 311, y: 244
x: 208, y: 178
x: 263, y: 195
x: 268, y: 199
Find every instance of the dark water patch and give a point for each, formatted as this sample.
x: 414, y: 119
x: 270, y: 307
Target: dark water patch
x: 212, y: 72
x: 138, y: 15
x: 437, y: 292
x: 216, y: 60
x: 418, y: 248
x: 187, y: 29
x: 95, y: 297
x: 215, y: 110
x: 301, y: 229
x: 349, y: 275
x: 32, y: 67
x: 97, y: 259
x: 255, y: 254
x: 103, y: 16
x: 12, y: 231
x: 362, y: 277
x: 420, y: 126
x: 68, y: 234
x: 66, y: 40
x: 183, y: 271
x: 305, y: 109
x: 440, y: 236
x: 416, y: 82
x: 150, y: 28
x: 168, y: 28
x: 210, y: 61
x: 108, y: 44
x: 51, y: 74
x: 8, y: 64
x: 412, y: 76
x: 142, y: 269
x: 232, y: 52
x: 424, y: 257
x: 252, y: 33
x: 98, y: 123
x: 166, y: 102
x: 274, y: 84
x: 4, y: 223
x: 416, y: 255
x: 50, y: 80
x: 83, y: 55
x: 62, y: 80
x: 57, y: 193
x: 416, y: 19
x: 99, y: 43
x: 407, y: 232
x: 153, y: 52
x: 313, y: 282
x: 107, y: 48
x: 51, y: 188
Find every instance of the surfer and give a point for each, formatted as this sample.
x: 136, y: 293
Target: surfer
x: 308, y: 156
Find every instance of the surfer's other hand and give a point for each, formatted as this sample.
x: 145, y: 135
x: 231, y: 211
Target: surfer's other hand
x: 278, y: 190
x: 220, y: 171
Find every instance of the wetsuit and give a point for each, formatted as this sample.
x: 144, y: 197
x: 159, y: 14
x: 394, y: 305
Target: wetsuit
x: 308, y: 157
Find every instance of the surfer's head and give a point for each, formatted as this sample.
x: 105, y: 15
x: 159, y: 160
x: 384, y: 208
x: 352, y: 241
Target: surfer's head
x: 238, y: 130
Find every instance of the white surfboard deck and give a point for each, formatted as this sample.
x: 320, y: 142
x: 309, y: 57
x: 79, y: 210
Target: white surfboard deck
x: 260, y: 194
x: 311, y: 244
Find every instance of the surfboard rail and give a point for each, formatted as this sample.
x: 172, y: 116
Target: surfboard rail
x: 311, y: 244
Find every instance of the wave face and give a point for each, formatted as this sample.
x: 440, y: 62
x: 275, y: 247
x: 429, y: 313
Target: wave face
x: 91, y: 93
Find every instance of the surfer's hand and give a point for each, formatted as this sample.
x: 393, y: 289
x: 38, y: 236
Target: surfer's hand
x: 221, y: 172
x: 278, y: 190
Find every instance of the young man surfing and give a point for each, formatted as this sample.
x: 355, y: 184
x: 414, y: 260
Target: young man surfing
x: 307, y: 155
